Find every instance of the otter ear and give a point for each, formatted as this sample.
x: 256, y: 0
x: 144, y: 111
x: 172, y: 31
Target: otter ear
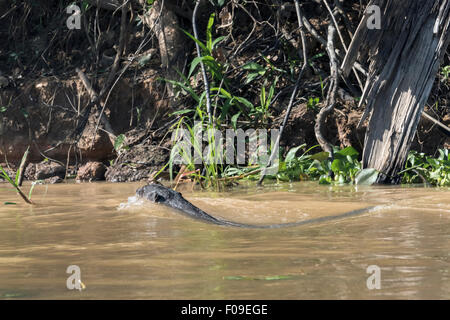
x: 158, y: 198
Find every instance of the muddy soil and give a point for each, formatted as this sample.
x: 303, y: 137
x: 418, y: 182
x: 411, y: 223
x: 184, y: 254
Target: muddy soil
x: 42, y: 99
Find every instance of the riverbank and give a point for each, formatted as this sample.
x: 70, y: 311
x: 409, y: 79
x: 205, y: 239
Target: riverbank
x: 43, y: 99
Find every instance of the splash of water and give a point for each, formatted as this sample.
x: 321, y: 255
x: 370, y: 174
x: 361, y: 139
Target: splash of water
x: 133, y: 202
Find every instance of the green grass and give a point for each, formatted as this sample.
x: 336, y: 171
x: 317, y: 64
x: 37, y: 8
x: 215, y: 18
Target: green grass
x: 15, y: 182
x: 309, y: 166
x: 206, y: 173
x: 232, y: 110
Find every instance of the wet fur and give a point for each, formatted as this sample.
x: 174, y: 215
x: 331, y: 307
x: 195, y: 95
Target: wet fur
x: 160, y: 194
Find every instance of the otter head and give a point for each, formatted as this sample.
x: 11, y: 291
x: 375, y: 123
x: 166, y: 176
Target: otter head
x: 155, y: 193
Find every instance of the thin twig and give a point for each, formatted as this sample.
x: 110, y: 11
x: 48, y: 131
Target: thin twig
x: 342, y: 41
x: 199, y: 54
x: 331, y: 97
x: 109, y: 83
x: 440, y: 124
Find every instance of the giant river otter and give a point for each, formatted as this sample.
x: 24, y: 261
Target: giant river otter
x: 160, y: 194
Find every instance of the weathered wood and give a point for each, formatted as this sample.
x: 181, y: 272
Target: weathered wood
x: 405, y: 56
x: 331, y: 96
x: 172, y: 42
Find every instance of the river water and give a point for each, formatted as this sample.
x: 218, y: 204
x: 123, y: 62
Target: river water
x: 130, y: 249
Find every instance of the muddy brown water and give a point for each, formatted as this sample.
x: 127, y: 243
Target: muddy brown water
x: 128, y: 249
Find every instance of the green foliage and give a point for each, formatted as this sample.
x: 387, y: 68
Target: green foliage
x: 193, y: 153
x: 233, y: 109
x: 345, y: 167
x: 435, y: 171
x: 366, y: 177
x: 445, y: 73
x: 119, y: 143
x: 214, y: 67
x: 294, y: 168
x: 255, y: 71
x: 229, y: 108
x: 85, y: 5
x: 260, y: 113
x: 4, y: 175
x: 312, y: 103
x: 15, y: 183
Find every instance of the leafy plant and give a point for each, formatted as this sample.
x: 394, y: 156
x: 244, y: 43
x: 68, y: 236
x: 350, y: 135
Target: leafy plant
x: 422, y: 168
x: 15, y: 182
x: 232, y: 109
x: 229, y: 108
x: 312, y: 103
x: 119, y: 143
x: 345, y: 167
x: 445, y: 73
x: 214, y: 67
x: 85, y: 5
x: 295, y: 168
x: 189, y: 149
x: 255, y: 71
x: 262, y: 112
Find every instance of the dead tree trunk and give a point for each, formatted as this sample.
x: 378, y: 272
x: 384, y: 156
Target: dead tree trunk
x: 405, y: 55
x: 172, y: 42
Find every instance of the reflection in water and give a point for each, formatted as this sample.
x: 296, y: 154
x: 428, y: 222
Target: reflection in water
x: 129, y: 248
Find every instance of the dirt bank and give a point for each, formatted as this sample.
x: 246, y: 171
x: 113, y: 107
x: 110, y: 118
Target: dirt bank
x: 43, y: 99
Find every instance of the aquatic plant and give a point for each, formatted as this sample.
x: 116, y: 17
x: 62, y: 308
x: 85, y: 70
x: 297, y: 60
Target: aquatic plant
x: 422, y: 168
x: 15, y: 183
x: 345, y: 168
x: 202, y: 165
